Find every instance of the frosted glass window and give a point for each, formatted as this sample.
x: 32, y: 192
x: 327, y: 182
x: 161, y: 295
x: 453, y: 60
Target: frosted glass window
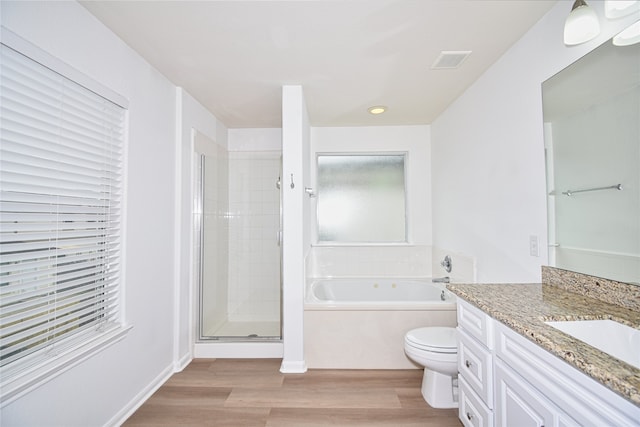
x: 361, y: 198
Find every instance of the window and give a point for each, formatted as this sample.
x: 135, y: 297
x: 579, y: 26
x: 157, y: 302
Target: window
x: 361, y: 198
x: 61, y: 160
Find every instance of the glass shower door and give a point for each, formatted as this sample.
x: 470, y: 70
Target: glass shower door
x: 240, y: 256
x: 213, y: 239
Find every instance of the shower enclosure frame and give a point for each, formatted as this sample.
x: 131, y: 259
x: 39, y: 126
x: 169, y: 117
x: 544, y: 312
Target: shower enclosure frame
x: 202, y: 336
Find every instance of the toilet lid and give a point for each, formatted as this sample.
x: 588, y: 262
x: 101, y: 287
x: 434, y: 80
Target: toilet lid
x: 437, y: 339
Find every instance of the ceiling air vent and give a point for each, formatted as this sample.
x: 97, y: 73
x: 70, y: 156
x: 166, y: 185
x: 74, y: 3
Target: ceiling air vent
x: 450, y: 59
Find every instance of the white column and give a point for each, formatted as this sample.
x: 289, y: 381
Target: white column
x: 295, y: 145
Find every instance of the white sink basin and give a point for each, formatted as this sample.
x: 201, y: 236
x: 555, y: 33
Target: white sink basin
x: 613, y: 338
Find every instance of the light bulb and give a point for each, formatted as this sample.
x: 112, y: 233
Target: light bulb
x: 628, y: 36
x: 618, y: 8
x: 581, y: 25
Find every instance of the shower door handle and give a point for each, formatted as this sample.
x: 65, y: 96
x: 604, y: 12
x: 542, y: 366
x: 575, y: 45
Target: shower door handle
x: 279, y: 237
x: 278, y: 183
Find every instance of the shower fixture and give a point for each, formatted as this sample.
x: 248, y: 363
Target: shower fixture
x: 446, y: 263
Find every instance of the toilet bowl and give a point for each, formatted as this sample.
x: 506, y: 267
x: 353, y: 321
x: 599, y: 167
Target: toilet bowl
x: 435, y: 349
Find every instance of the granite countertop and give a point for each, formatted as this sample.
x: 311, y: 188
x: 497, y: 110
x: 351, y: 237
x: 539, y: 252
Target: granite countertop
x: 525, y: 308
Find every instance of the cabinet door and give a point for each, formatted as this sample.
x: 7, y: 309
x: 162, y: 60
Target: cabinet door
x: 519, y: 404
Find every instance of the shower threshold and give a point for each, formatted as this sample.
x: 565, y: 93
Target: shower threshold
x: 247, y: 330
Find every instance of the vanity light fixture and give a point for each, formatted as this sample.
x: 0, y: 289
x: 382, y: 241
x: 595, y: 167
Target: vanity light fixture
x: 618, y: 8
x: 581, y: 25
x: 377, y: 109
x: 629, y: 36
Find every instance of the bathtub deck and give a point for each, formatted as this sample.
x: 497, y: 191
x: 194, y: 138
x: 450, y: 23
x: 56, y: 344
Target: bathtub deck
x: 252, y: 392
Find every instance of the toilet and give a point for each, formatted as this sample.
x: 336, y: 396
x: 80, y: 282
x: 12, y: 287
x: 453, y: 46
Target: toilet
x: 435, y: 349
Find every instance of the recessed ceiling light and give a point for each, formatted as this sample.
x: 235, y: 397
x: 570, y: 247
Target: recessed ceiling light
x: 377, y: 109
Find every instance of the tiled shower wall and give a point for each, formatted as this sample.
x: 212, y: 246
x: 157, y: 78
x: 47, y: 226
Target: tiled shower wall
x: 254, y: 254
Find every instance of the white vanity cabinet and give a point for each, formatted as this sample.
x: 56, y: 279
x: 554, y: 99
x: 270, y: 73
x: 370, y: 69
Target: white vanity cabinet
x: 506, y: 380
x: 533, y: 384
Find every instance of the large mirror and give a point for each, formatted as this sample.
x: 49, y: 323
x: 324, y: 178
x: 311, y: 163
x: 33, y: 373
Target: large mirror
x: 592, y: 145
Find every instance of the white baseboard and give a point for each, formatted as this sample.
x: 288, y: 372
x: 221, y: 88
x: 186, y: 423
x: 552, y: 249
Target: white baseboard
x: 240, y: 350
x: 182, y: 363
x: 293, y: 367
x: 140, y: 398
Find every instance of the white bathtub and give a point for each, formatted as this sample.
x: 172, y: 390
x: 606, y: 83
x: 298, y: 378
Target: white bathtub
x: 373, y: 293
x: 361, y: 323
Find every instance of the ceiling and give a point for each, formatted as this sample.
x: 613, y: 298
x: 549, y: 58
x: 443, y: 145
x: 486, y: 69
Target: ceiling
x: 234, y: 56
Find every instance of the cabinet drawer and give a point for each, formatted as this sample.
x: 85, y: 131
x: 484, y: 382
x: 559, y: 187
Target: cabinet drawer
x: 475, y: 365
x: 471, y: 410
x: 476, y: 323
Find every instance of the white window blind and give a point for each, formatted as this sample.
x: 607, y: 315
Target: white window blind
x: 61, y: 149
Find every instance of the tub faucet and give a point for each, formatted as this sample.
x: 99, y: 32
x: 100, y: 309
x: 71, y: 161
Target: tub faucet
x: 441, y: 279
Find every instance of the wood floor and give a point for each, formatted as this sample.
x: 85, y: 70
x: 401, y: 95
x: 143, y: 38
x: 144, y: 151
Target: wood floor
x: 252, y: 392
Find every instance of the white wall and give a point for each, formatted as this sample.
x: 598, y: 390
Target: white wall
x: 101, y: 390
x: 255, y: 139
x: 488, y: 156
